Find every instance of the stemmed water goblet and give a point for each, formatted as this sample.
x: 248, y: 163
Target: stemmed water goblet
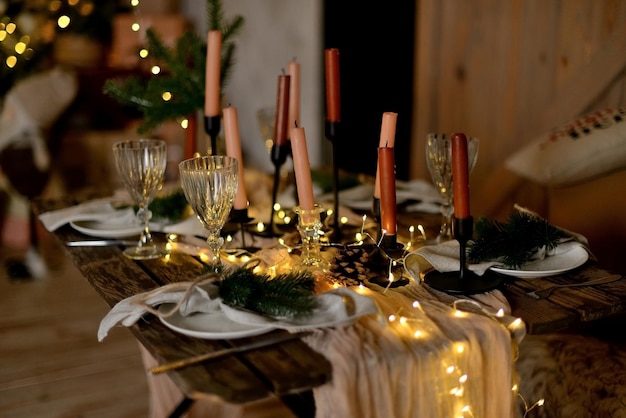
x: 210, y: 184
x: 439, y: 162
x: 141, y: 164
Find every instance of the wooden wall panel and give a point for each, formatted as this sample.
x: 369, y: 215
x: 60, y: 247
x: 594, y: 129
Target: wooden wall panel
x: 507, y: 71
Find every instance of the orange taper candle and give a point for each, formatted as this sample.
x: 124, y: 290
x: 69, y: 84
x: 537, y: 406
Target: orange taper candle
x: 333, y: 102
x: 387, y: 190
x: 302, y: 168
x: 233, y: 149
x: 294, y: 94
x: 281, y: 128
x: 212, y: 79
x: 460, y: 176
x: 387, y: 139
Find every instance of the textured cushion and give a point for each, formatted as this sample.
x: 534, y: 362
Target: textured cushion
x: 585, y: 148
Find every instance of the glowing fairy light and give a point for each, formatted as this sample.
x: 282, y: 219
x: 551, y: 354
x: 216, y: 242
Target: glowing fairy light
x: 416, y: 304
x: 418, y: 333
x: 459, y: 348
x: 343, y: 220
x: 450, y: 369
x: 143, y: 53
x: 500, y: 313
x: 166, y: 96
x: 155, y: 69
x: 391, y: 318
x: 421, y: 229
x: 276, y: 206
x: 11, y: 61
x: 184, y: 123
x: 134, y: 3
x: 62, y: 21
x: 403, y: 320
x: 10, y: 28
x: 135, y: 27
x: 463, y: 378
x: 260, y: 226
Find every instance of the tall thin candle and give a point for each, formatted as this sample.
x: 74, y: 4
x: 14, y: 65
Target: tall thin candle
x: 460, y: 176
x: 281, y: 128
x: 387, y: 139
x: 333, y: 102
x: 302, y: 168
x: 294, y: 94
x: 233, y: 149
x: 212, y: 80
x: 387, y: 190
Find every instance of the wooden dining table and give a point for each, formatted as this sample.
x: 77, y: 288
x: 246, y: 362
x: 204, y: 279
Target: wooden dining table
x: 292, y: 369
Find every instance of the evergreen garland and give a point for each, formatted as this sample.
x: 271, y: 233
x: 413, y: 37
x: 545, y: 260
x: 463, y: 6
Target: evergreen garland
x: 183, y: 75
x: 284, y: 296
x: 514, y: 242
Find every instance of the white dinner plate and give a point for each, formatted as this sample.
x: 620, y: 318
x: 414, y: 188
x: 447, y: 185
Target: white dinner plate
x: 107, y: 229
x: 549, y: 266
x: 210, y: 326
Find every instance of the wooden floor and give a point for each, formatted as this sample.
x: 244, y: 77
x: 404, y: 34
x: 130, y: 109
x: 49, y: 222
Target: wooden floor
x: 51, y: 363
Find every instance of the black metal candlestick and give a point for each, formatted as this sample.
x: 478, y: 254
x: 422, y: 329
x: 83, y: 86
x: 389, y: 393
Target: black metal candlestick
x: 212, y: 126
x: 464, y: 281
x: 240, y: 218
x: 381, y: 258
x: 279, y: 156
x: 332, y: 131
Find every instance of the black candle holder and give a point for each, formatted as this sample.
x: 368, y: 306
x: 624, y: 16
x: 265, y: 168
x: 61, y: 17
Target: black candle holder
x: 278, y: 155
x: 380, y: 260
x: 238, y: 220
x: 212, y: 126
x: 464, y: 281
x: 332, y: 131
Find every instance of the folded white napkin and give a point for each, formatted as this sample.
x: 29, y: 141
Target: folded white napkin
x: 93, y: 210
x: 445, y: 257
x: 188, y: 226
x: 338, y: 307
x: 441, y: 257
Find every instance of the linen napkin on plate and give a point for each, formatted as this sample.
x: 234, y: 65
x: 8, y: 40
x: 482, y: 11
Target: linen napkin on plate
x: 445, y: 256
x: 338, y: 307
x: 93, y: 210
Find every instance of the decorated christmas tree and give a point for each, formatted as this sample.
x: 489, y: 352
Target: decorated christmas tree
x: 178, y: 90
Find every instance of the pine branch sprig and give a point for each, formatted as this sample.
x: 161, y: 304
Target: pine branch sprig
x: 288, y: 295
x: 183, y: 73
x: 514, y: 242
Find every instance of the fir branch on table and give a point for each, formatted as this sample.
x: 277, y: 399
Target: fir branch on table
x: 284, y: 296
x: 183, y: 75
x: 514, y: 242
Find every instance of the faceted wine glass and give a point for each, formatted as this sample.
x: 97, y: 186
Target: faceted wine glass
x: 210, y: 185
x: 141, y: 164
x: 439, y: 162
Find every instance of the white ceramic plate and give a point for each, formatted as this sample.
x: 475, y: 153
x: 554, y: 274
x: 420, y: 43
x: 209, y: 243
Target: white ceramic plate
x: 549, y: 266
x: 210, y: 326
x: 107, y: 229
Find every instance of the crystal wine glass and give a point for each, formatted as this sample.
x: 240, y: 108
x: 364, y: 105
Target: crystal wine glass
x: 141, y: 164
x: 439, y: 162
x: 210, y: 185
